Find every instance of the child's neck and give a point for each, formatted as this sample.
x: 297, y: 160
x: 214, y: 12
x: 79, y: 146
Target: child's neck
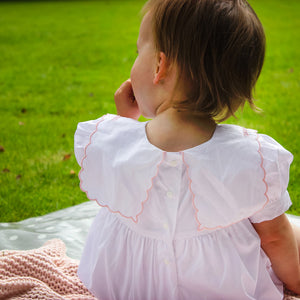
x: 174, y: 131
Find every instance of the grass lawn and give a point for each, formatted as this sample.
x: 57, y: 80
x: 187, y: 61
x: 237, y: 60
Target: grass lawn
x: 60, y: 63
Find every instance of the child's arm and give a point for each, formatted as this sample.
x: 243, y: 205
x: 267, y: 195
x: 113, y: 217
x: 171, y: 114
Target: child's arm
x: 297, y: 233
x: 125, y: 101
x: 279, y: 242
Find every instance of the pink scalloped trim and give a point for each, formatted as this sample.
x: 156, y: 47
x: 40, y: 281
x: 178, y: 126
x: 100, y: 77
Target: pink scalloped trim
x: 193, y: 195
x: 135, y: 220
x: 265, y: 174
x: 245, y: 132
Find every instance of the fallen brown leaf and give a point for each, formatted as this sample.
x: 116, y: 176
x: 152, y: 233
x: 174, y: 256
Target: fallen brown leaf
x: 2, y: 149
x: 67, y: 156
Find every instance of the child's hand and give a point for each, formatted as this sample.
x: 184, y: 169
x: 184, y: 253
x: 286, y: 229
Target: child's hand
x: 125, y: 101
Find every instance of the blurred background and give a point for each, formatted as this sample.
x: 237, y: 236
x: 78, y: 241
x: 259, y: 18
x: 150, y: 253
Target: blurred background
x: 60, y: 64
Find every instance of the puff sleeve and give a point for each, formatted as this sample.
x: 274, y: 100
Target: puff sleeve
x: 83, y: 135
x: 275, y: 162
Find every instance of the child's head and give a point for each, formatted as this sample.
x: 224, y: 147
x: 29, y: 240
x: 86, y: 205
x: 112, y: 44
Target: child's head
x: 218, y: 47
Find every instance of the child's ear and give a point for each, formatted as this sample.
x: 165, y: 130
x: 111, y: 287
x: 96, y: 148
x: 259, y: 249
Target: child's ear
x: 161, y: 68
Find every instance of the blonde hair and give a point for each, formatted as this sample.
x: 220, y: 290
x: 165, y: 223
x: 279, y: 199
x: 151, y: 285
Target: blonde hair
x: 219, y: 46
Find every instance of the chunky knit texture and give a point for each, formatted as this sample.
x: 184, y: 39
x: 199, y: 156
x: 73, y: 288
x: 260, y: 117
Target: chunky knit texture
x: 46, y: 273
x: 43, y: 273
x: 290, y: 296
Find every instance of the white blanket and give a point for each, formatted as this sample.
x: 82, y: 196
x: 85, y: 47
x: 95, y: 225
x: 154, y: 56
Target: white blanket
x: 70, y: 225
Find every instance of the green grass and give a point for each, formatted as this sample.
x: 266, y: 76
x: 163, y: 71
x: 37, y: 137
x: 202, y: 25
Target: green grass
x: 60, y: 63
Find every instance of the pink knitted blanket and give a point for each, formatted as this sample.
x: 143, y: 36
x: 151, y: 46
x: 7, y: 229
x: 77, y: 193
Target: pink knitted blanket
x: 43, y: 273
x: 46, y: 273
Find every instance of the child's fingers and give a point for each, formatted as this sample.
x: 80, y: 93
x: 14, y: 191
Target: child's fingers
x: 127, y: 86
x: 125, y: 101
x: 124, y: 92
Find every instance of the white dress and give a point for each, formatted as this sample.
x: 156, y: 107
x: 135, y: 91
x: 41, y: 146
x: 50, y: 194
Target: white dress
x: 177, y: 225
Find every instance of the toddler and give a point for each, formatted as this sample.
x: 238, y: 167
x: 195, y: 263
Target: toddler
x: 192, y: 209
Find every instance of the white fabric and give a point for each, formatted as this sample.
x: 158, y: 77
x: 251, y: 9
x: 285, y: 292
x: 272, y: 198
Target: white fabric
x: 177, y: 225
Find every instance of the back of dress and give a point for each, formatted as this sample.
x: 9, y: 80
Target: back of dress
x: 177, y: 225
